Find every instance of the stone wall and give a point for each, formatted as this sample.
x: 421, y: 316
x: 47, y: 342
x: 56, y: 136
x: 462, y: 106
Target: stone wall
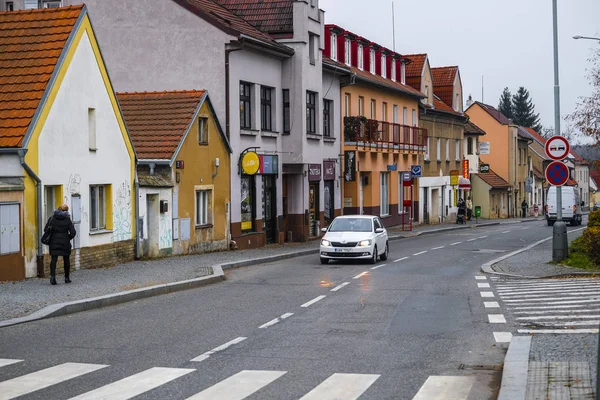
x: 101, y: 256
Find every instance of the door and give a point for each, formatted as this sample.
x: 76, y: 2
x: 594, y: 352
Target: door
x: 329, y: 205
x: 152, y: 213
x: 313, y: 209
x: 270, y: 209
x: 284, y: 204
x: 425, y: 206
x: 76, y: 214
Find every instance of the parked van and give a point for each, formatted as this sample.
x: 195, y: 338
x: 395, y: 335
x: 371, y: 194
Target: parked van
x: 571, y: 210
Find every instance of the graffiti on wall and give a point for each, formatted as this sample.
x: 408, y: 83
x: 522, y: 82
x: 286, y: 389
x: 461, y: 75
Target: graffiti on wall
x: 74, y: 184
x: 165, y: 232
x: 122, y: 213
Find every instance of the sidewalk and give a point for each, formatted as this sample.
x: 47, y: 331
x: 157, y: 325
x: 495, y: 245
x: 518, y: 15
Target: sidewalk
x: 557, y: 366
x: 150, y: 277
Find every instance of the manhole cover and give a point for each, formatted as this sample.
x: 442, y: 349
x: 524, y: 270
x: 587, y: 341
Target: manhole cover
x: 489, y: 251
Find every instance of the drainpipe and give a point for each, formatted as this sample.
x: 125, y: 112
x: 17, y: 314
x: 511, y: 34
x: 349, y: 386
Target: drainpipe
x: 227, y: 117
x: 137, y: 215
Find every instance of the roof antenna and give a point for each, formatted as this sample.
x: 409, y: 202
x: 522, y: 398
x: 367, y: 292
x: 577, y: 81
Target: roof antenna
x: 482, y: 90
x: 393, y: 28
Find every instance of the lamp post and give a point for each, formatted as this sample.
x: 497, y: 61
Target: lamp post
x: 576, y: 37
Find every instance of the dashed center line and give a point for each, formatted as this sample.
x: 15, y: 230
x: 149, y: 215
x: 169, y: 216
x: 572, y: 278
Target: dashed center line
x: 361, y: 275
x: 437, y: 248
x: 526, y: 227
x: 481, y: 237
x: 470, y: 240
x: 222, y: 347
x: 338, y: 287
x: 401, y: 259
x: 419, y: 253
x: 276, y: 320
x: 378, y: 266
x: 506, y: 232
x: 454, y: 244
x: 313, y: 301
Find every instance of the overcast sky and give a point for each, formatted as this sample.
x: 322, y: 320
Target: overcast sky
x: 509, y: 42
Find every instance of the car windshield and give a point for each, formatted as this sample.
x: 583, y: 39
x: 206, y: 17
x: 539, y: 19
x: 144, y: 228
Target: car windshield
x: 351, y: 225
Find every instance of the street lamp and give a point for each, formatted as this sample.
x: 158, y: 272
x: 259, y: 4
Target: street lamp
x: 576, y: 37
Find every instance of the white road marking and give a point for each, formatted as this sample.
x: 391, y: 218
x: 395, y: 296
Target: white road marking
x: 546, y: 293
x: 341, y: 386
x: 276, y: 320
x: 572, y: 323
x: 419, y: 253
x: 313, y: 301
x: 437, y: 248
x: 553, y: 300
x: 558, y: 317
x: 487, y: 294
x: 135, y: 385
x: 554, y: 311
x: 222, y: 347
x: 526, y: 227
x: 547, y: 307
x: 7, y: 361
x: 378, y: 266
x: 480, y: 277
x: 506, y: 232
x: 361, y: 274
x: 483, y: 285
x: 502, y: 337
x: 454, y: 244
x: 481, y: 237
x: 239, y: 386
x: 338, y: 287
x: 552, y: 331
x: 496, y: 319
x: 400, y: 259
x: 44, y: 378
x: 445, y: 387
x: 544, y: 285
x: 470, y: 240
x: 491, y: 304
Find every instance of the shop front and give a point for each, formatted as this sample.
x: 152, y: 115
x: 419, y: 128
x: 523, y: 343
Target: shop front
x: 314, y: 214
x: 328, y: 192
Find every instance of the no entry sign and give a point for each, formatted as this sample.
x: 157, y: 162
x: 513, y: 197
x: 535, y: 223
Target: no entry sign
x: 557, y: 173
x: 557, y: 148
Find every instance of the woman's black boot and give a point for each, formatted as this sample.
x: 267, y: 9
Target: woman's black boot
x: 52, y: 280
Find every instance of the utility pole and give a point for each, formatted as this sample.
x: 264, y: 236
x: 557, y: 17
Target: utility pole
x: 393, y: 27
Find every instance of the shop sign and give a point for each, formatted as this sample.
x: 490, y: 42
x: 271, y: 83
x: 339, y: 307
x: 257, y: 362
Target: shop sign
x: 328, y: 170
x: 416, y: 171
x: 349, y: 166
x: 454, y: 174
x: 314, y: 172
x: 250, y: 163
x: 484, y: 148
x: 269, y: 164
x: 465, y: 168
x: 484, y: 168
x: 392, y: 167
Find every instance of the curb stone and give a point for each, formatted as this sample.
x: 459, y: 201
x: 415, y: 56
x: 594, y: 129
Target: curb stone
x: 516, y: 367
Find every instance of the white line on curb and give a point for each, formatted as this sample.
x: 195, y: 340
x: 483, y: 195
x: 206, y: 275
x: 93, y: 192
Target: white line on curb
x: 222, y: 347
x: 338, y: 287
x: 313, y: 301
x: 361, y: 274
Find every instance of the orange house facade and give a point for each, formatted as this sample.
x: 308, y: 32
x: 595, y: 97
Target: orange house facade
x: 381, y: 136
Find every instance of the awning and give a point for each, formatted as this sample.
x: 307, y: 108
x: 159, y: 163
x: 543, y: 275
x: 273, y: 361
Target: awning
x: 464, y: 183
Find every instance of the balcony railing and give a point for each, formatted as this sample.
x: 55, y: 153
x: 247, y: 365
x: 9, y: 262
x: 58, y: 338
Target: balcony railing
x: 380, y: 135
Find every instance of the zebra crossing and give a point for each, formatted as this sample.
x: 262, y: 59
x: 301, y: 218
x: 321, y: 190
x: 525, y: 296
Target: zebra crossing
x: 555, y: 306
x: 239, y: 386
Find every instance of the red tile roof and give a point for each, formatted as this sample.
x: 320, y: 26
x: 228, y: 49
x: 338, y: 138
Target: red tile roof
x: 441, y: 106
x: 536, y: 135
x: 497, y: 115
x: 271, y: 16
x: 571, y: 182
x: 494, y: 180
x: 157, y: 121
x: 31, y: 43
x: 414, y: 69
x: 227, y: 21
x: 538, y: 174
x: 472, y: 129
x: 378, y: 79
x: 443, y: 82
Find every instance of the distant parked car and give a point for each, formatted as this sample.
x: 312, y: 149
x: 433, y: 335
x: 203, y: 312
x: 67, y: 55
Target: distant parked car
x: 358, y: 237
x: 596, y: 206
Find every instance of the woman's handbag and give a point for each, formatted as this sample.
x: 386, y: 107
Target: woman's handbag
x: 47, y: 232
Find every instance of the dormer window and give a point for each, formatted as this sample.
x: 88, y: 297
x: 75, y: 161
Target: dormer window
x: 360, y: 57
x: 403, y: 73
x: 333, y: 47
x: 457, y: 103
x: 348, y: 51
x: 426, y: 94
x: 393, y: 70
x: 372, y: 61
x: 383, y: 66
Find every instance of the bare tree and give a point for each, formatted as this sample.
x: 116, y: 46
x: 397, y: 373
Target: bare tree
x: 587, y: 113
x: 567, y: 131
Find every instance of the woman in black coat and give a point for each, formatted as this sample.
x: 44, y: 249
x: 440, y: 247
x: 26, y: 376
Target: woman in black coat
x: 63, y: 232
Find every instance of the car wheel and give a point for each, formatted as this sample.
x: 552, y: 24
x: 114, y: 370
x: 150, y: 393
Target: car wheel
x: 384, y: 256
x: 324, y: 260
x: 374, y: 259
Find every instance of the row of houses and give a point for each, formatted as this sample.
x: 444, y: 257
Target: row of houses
x: 182, y: 126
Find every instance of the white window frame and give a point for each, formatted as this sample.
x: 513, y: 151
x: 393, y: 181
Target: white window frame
x: 395, y: 114
x: 348, y: 51
x: 361, y: 106
x: 393, y: 72
x: 372, y: 61
x: 414, y: 117
x: 439, y: 148
x: 373, y: 109
x: 203, y: 205
x: 457, y: 149
x: 403, y: 73
x: 98, y: 210
x: 384, y: 111
x: 49, y: 201
x: 203, y: 130
x: 384, y: 66
x: 405, y: 116
x: 92, y: 129
x: 360, y: 57
x: 346, y: 104
x: 333, y: 47
x: 447, y: 149
x: 457, y: 102
x: 52, y: 4
x: 384, y: 194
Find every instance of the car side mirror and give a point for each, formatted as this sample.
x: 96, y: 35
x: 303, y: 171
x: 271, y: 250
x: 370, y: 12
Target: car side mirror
x: 324, y: 230
x: 379, y: 230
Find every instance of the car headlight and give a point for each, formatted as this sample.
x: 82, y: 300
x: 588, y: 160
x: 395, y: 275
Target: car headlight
x: 325, y: 242
x: 364, y: 243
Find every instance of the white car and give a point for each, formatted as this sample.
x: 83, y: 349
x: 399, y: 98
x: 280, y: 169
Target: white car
x: 357, y: 237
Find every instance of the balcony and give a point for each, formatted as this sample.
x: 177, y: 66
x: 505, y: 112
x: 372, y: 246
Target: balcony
x: 370, y: 134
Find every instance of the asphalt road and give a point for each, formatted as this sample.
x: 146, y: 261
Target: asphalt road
x: 286, y: 330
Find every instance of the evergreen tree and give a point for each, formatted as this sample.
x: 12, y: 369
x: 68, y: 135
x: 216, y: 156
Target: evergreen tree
x: 505, y: 105
x: 524, y: 110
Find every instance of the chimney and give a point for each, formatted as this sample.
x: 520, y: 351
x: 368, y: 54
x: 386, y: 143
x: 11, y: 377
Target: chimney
x: 469, y: 101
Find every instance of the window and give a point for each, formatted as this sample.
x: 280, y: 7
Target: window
x: 203, y: 130
x: 404, y: 116
x: 439, y: 149
x: 311, y: 112
x: 52, y: 199
x: 247, y: 203
x: 427, y: 149
x: 10, y: 6
x: 360, y: 57
x: 265, y: 108
x: 312, y: 48
x: 447, y: 149
x: 457, y: 150
x: 470, y: 146
x: 384, y: 111
x: 31, y: 4
x: 327, y: 117
x: 372, y: 61
x: 52, y: 4
x: 414, y: 117
x: 373, y: 111
x: 393, y: 70
x: 457, y: 102
x: 98, y: 197
x: 384, y: 203
x: 348, y: 51
x: 203, y: 207
x: 245, y: 106
x: 361, y: 106
x: 377, y: 223
x: 403, y: 73
x: 347, y: 105
x: 334, y: 47
x: 92, y: 129
x: 395, y: 116
x: 286, y: 112
x: 383, y: 66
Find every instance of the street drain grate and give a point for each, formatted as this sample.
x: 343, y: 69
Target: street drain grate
x: 482, y: 367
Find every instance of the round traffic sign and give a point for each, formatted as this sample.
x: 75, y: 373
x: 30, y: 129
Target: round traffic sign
x: 557, y: 173
x: 557, y: 148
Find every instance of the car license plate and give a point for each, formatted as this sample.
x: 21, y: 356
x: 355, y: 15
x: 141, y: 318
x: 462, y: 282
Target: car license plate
x: 342, y: 250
